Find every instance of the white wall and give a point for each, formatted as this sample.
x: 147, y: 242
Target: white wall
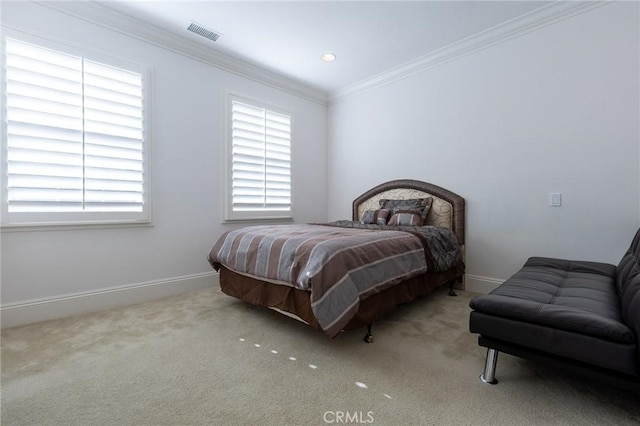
x: 42, y: 268
x: 555, y: 110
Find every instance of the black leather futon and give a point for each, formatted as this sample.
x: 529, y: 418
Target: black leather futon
x: 580, y: 315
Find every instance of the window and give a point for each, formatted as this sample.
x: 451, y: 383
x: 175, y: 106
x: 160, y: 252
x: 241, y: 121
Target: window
x: 258, y: 162
x: 74, y: 140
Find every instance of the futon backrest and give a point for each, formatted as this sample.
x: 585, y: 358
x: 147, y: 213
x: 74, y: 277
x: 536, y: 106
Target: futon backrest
x: 628, y: 282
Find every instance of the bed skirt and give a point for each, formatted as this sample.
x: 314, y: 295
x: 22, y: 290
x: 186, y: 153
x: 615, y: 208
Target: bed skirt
x: 297, y: 302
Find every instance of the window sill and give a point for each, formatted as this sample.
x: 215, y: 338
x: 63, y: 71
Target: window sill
x: 260, y: 220
x: 61, y: 226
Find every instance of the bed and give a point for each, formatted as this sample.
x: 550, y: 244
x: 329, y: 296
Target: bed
x: 405, y: 238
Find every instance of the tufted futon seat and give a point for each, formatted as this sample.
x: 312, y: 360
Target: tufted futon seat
x: 583, y: 315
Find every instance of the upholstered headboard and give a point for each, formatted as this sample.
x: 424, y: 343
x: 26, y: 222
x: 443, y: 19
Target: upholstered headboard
x: 448, y: 208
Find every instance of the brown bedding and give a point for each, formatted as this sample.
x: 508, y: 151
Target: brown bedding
x: 341, y: 276
x: 340, y: 263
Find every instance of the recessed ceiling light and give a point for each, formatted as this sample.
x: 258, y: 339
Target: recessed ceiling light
x: 328, y: 57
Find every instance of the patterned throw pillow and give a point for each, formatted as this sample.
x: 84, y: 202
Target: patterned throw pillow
x: 378, y: 217
x: 369, y: 216
x: 418, y: 205
x: 408, y: 218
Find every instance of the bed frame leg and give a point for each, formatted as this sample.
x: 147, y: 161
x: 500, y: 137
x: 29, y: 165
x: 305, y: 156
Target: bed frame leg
x: 368, y: 338
x: 489, y: 375
x: 452, y: 292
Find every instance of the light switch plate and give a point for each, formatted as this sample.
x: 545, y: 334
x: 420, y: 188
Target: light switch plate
x: 555, y: 199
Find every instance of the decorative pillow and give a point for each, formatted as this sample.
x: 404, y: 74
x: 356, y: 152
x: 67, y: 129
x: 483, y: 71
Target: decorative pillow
x: 419, y: 205
x: 375, y: 217
x: 406, y: 218
x: 382, y: 216
x: 369, y: 216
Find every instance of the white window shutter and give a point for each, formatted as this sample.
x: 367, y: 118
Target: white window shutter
x: 74, y: 133
x: 113, y: 139
x: 260, y: 160
x: 44, y: 129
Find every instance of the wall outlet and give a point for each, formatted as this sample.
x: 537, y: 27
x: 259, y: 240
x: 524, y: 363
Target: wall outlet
x: 555, y: 199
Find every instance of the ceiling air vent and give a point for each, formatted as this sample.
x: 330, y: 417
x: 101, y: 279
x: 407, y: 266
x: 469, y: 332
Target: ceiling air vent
x: 202, y: 31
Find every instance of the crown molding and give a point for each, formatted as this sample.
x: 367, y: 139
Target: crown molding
x: 96, y: 13
x: 529, y: 22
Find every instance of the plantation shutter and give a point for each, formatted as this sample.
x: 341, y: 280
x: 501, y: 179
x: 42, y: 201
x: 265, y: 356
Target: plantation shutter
x: 74, y: 133
x: 261, y: 159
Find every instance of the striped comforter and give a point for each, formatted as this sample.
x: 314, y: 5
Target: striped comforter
x: 340, y: 265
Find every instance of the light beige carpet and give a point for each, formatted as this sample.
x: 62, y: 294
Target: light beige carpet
x: 203, y: 358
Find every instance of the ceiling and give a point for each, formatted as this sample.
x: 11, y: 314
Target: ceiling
x: 288, y: 37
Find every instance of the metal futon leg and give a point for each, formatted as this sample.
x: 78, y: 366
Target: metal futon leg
x: 489, y: 375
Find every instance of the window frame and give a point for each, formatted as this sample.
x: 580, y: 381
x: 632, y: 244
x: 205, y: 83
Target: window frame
x: 228, y: 214
x: 17, y: 221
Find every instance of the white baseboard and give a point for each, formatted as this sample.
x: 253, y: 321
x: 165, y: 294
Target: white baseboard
x: 31, y: 311
x: 480, y: 285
